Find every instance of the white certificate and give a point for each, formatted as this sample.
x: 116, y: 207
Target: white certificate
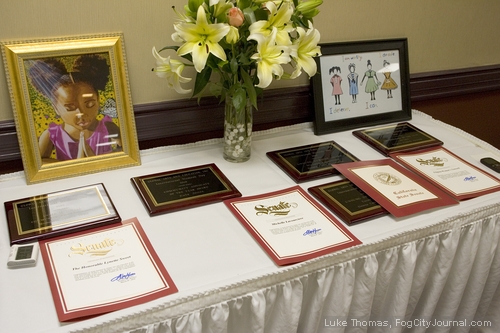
x: 395, y: 188
x: 454, y: 175
x: 290, y: 225
x: 103, y: 270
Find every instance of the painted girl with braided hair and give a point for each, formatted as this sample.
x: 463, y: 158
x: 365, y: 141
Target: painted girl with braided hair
x: 75, y: 97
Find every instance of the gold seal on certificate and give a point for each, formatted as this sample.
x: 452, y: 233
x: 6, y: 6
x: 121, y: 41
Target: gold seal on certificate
x: 397, y: 138
x: 311, y: 161
x: 291, y: 226
x: 179, y: 189
x: 58, y: 213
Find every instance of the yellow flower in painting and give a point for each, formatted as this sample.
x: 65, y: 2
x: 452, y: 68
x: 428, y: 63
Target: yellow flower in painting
x: 201, y: 39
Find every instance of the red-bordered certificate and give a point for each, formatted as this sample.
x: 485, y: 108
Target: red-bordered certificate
x: 454, y: 175
x: 291, y: 226
x: 103, y: 270
x: 398, y: 190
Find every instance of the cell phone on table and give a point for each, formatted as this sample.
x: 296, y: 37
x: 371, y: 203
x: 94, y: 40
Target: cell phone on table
x: 491, y: 163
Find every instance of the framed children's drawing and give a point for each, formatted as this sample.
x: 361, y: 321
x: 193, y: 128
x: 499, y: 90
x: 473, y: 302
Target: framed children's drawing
x: 361, y: 84
x: 72, y: 105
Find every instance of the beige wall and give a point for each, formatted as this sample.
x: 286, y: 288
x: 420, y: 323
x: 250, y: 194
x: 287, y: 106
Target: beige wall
x: 442, y: 34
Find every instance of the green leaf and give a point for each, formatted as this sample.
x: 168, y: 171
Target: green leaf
x: 249, y: 15
x: 242, y: 4
x: 234, y: 66
x: 216, y: 89
x: 194, y: 4
x: 212, y: 62
x: 202, y: 79
x: 248, y: 84
x: 222, y: 65
x: 244, y: 60
x: 260, y: 14
x: 239, y: 99
x: 188, y: 57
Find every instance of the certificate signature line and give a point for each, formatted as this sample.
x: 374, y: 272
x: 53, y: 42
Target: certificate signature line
x: 311, y: 232
x: 124, y: 277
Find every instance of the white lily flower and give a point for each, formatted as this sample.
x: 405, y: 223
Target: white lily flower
x: 279, y: 19
x: 239, y: 46
x: 171, y: 70
x: 201, y: 39
x: 305, y: 49
x: 269, y: 58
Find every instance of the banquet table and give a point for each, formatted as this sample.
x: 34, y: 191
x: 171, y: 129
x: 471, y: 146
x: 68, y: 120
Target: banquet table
x: 435, y: 271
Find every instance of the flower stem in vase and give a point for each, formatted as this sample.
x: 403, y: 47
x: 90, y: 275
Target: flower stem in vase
x: 237, y: 132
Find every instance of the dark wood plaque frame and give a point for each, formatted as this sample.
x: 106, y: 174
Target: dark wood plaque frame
x: 39, y: 210
x: 374, y: 136
x: 156, y: 205
x: 309, y: 152
x: 339, y: 204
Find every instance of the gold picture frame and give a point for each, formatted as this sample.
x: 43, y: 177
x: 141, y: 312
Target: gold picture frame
x: 72, y: 106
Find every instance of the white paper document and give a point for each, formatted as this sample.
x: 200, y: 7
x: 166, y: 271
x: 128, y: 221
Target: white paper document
x: 453, y: 174
x: 398, y: 190
x: 101, y: 271
x: 290, y: 225
x: 395, y: 186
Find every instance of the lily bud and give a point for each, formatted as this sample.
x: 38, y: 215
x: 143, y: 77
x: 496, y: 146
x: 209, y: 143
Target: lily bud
x: 235, y: 17
x: 233, y: 35
x: 309, y: 9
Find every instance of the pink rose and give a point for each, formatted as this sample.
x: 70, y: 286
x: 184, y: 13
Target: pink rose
x: 235, y: 17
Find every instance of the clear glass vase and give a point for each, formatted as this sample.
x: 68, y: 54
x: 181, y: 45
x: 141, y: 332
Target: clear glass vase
x: 237, y: 132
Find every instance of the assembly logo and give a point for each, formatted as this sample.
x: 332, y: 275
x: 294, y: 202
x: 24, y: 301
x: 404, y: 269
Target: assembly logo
x: 434, y: 161
x: 95, y: 249
x: 281, y: 209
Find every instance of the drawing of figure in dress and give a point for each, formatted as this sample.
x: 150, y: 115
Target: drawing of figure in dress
x: 372, y: 82
x: 336, y: 81
x: 352, y: 78
x: 389, y: 83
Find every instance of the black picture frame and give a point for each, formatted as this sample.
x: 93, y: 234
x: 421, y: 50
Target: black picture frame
x: 346, y: 65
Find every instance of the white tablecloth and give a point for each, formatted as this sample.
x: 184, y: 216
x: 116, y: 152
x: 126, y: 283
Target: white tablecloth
x: 441, y: 266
